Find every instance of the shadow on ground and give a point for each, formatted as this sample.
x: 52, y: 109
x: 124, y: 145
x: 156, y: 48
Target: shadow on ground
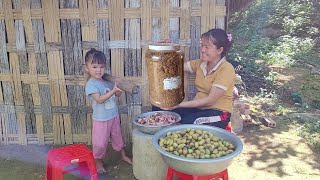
x: 272, y: 150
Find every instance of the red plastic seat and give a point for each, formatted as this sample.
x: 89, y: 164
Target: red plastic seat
x: 228, y: 128
x: 60, y: 158
x: 182, y: 176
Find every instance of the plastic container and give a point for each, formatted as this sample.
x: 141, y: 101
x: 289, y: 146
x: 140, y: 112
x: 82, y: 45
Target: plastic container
x: 236, y: 122
x: 152, y: 129
x: 165, y: 74
x: 198, y: 167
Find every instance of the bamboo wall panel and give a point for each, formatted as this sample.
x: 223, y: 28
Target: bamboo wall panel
x: 42, y: 48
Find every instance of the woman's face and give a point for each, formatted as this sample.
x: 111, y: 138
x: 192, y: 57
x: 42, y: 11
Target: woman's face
x: 209, y: 51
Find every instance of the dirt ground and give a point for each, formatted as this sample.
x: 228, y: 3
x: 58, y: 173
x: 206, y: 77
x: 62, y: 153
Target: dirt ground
x: 269, y: 153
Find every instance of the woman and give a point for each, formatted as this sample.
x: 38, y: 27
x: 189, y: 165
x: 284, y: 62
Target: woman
x: 214, y: 81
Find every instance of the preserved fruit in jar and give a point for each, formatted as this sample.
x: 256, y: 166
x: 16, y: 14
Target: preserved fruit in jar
x: 165, y: 74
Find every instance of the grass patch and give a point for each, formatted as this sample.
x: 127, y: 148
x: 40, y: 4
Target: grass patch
x: 310, y: 130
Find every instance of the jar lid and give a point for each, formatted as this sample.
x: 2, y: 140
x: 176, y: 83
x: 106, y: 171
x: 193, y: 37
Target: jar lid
x: 164, y: 46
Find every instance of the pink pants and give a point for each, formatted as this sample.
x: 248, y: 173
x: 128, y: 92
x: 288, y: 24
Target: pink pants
x: 101, y: 132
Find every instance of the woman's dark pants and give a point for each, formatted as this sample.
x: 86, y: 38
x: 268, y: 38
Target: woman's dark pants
x: 189, y: 115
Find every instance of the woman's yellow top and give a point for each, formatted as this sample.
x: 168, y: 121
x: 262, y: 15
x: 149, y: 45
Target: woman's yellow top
x: 221, y: 76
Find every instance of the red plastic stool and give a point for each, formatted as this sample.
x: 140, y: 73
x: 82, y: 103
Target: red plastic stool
x: 228, y: 128
x: 182, y: 176
x: 60, y: 158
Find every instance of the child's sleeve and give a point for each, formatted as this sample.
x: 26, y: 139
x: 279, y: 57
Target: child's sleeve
x: 91, y: 89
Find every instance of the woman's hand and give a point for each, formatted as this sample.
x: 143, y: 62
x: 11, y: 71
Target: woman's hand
x: 170, y: 108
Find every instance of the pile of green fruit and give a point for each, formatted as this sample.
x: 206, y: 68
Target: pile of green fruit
x: 192, y: 143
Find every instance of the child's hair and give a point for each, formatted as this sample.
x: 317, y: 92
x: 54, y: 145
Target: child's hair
x: 219, y: 38
x: 95, y: 56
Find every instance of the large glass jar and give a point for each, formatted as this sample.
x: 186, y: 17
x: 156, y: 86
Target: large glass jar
x: 165, y: 74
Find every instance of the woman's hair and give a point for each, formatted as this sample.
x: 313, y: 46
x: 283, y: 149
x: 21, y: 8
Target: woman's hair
x: 95, y: 56
x: 219, y: 38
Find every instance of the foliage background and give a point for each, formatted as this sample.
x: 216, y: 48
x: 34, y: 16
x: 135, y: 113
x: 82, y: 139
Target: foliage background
x: 276, y: 51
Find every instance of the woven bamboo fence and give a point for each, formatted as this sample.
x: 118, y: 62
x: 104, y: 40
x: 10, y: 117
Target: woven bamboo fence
x: 42, y: 48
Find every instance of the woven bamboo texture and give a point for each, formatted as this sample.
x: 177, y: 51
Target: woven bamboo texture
x: 42, y: 48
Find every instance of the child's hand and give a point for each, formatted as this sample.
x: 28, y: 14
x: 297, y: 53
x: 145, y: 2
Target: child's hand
x: 116, y: 89
x: 118, y: 94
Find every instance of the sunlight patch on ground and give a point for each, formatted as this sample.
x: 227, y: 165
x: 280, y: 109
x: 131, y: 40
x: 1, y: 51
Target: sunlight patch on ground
x: 274, y: 153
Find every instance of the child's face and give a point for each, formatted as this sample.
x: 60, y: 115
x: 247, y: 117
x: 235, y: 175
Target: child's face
x: 96, y: 71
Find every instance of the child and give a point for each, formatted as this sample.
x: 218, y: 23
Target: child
x: 106, y: 120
